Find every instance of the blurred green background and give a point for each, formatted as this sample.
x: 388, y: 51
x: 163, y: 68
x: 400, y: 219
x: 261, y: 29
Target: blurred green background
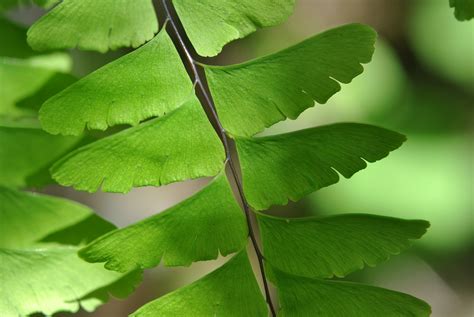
x: 420, y: 83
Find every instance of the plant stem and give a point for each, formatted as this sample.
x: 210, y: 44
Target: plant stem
x: 226, y: 142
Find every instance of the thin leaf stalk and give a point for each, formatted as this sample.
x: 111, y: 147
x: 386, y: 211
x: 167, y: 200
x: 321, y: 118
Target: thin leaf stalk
x: 230, y: 161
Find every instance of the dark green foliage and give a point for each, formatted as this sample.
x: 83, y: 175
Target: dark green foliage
x: 463, y: 9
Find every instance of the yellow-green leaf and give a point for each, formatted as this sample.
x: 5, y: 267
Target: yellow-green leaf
x: 211, y: 24
x: 27, y: 218
x: 338, y: 245
x: 231, y: 290
x: 292, y: 165
x: 197, y: 229
x: 26, y: 151
x: 94, y: 25
x: 179, y: 146
x: 148, y: 82
x: 53, y: 279
x: 305, y: 297
x: 254, y: 95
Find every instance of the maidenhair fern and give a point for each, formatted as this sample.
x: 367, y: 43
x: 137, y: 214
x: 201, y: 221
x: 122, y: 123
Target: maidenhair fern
x: 186, y: 127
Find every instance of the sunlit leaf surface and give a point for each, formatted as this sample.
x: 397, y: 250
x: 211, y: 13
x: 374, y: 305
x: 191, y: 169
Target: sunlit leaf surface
x: 231, y: 290
x: 27, y: 218
x: 254, y: 95
x: 53, y: 279
x: 292, y: 165
x: 305, y: 297
x: 179, y: 146
x: 338, y: 245
x: 94, y: 25
x: 21, y: 78
x: 210, y: 24
x: 40, y: 269
x: 199, y: 228
x: 150, y: 81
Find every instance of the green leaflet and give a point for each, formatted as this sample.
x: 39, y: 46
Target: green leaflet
x: 52, y: 86
x: 197, y: 229
x: 18, y: 79
x: 25, y: 152
x: 22, y: 71
x: 40, y: 275
x: 148, y: 82
x: 22, y: 77
x: 26, y: 218
x: 298, y: 163
x: 338, y: 245
x: 54, y: 279
x: 94, y: 25
x: 15, y: 36
x: 231, y: 290
x: 211, y: 24
x: 463, y: 9
x: 181, y: 145
x: 304, y: 297
x: 259, y: 93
